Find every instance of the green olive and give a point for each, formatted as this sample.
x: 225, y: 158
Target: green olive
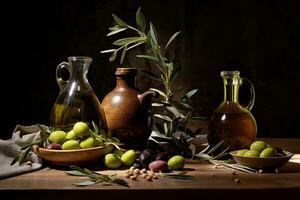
x: 118, y: 152
x: 267, y: 152
x: 87, y: 143
x: 81, y: 129
x: 251, y: 153
x: 71, y: 135
x: 58, y: 137
x: 71, y: 144
x: 258, y: 146
x: 176, y: 162
x: 129, y: 157
x: 112, y: 161
x: 241, y: 152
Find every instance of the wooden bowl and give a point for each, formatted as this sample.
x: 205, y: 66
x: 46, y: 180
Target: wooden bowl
x: 72, y: 157
x: 262, y: 163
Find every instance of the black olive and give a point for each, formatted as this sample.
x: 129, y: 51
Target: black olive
x: 145, y: 158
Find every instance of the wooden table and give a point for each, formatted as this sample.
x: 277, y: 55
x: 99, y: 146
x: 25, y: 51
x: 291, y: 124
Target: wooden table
x: 55, y: 184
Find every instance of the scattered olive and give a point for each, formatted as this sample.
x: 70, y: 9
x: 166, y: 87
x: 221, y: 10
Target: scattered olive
x: 159, y: 166
x: 176, y: 162
x: 129, y: 157
x: 112, y: 161
x: 145, y: 159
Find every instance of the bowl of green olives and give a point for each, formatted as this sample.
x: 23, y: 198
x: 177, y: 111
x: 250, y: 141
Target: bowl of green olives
x: 80, y: 145
x: 72, y: 156
x: 261, y: 155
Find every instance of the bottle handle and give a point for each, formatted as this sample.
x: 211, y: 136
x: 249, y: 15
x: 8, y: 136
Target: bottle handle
x: 60, y: 81
x: 252, y: 93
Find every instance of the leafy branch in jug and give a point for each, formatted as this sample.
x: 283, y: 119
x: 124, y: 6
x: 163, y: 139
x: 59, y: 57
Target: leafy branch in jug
x: 173, y: 111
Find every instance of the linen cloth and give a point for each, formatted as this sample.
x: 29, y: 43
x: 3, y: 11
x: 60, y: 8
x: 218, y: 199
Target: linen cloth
x: 9, y: 150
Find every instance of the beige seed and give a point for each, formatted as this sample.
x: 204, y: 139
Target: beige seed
x: 212, y: 174
x: 128, y: 175
x: 133, y: 177
x: 144, y: 175
x: 149, y: 178
x: 237, y: 180
x: 136, y: 171
x: 144, y: 171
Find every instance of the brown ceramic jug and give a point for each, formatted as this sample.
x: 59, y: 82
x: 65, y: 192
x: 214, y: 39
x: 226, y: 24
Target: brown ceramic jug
x: 127, y: 111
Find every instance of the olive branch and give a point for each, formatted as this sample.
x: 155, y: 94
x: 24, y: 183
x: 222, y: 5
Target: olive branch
x: 175, y: 112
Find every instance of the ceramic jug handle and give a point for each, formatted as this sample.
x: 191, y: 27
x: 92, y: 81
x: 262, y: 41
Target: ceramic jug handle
x: 252, y: 93
x: 60, y: 81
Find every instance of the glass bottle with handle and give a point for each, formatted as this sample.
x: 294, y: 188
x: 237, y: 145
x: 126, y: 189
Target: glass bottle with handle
x: 76, y: 100
x: 230, y: 121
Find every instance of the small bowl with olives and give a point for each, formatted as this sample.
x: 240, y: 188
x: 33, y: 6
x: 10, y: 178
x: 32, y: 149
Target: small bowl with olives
x: 80, y: 145
x: 261, y: 155
x: 73, y: 156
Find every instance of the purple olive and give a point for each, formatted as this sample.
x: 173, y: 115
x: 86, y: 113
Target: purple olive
x: 159, y: 166
x: 55, y: 146
x: 145, y: 158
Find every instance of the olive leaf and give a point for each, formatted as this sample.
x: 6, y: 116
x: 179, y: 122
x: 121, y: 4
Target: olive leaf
x: 188, y: 94
x: 153, y: 34
x: 108, y: 51
x: 140, y: 20
x: 123, y: 54
x: 113, y: 32
x: 171, y: 39
x: 126, y: 41
x: 120, y: 22
x: 180, y: 175
x: 94, y: 177
x: 147, y: 57
x: 113, y: 56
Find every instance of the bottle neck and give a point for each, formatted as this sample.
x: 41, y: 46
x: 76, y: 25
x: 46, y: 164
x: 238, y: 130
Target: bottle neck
x: 79, y: 67
x: 125, y: 81
x: 231, y: 91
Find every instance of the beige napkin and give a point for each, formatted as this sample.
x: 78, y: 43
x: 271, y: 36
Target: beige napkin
x: 9, y: 149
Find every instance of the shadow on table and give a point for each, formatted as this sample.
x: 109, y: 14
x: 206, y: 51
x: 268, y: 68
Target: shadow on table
x: 293, y: 166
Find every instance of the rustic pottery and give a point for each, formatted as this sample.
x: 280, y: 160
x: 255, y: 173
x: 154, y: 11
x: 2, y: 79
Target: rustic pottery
x: 127, y: 111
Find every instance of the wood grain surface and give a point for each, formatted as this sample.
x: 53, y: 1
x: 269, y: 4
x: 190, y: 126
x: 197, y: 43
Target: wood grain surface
x: 211, y: 182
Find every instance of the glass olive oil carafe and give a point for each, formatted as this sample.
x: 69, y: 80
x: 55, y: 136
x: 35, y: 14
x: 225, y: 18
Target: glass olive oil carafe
x: 76, y: 100
x: 231, y: 121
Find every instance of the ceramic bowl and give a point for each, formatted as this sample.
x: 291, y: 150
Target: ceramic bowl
x: 72, y: 157
x: 262, y: 163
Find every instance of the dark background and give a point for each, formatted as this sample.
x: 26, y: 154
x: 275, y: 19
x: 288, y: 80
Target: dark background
x: 261, y: 39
